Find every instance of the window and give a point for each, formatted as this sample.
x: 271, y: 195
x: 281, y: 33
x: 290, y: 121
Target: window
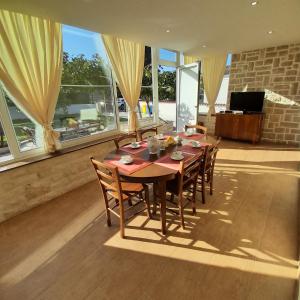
x: 167, y: 55
x: 28, y: 133
x: 85, y: 105
x: 167, y: 93
x: 4, y: 148
x: 145, y: 107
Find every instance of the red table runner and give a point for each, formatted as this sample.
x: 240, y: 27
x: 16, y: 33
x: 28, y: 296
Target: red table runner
x: 193, y: 150
x: 168, y: 162
x: 130, y: 150
x: 195, y: 136
x: 136, y: 165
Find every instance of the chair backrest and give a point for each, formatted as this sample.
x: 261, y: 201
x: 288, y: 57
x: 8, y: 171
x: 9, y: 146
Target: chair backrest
x: 125, y: 139
x: 210, y: 155
x: 199, y: 128
x: 189, y: 171
x: 109, y: 179
x: 141, y: 133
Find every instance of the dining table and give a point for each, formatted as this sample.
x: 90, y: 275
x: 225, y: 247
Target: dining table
x: 158, y: 168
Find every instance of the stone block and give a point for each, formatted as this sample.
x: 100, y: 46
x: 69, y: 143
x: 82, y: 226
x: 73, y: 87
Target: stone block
x: 290, y: 137
x: 278, y: 71
x: 276, y: 62
x: 271, y: 54
x: 286, y: 63
x: 291, y: 72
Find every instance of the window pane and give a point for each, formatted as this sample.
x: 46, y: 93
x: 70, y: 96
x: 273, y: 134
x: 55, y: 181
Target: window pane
x: 28, y: 134
x: 147, y: 75
x: 167, y: 93
x: 4, y: 149
x: 146, y: 98
x: 85, y: 104
x: 167, y: 55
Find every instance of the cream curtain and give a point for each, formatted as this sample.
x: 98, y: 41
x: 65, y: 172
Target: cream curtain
x: 31, y: 66
x: 190, y: 59
x: 127, y: 60
x: 213, y: 73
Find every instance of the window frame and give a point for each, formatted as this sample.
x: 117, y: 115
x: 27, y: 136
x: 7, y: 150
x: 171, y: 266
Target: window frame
x: 11, y: 137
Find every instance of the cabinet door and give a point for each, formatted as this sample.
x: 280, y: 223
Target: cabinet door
x: 248, y: 128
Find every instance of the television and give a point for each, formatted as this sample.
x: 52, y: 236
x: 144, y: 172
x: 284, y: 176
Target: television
x: 247, y: 101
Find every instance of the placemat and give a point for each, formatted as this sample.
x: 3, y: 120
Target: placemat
x: 193, y: 150
x: 168, y: 162
x: 137, y: 164
x: 195, y: 136
x: 130, y: 150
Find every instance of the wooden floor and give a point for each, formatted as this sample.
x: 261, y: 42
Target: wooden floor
x: 243, y: 244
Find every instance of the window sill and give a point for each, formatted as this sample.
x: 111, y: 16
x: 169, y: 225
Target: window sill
x: 38, y: 158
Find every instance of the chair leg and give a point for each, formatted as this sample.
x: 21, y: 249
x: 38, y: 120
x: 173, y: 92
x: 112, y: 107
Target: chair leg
x: 194, y: 198
x: 154, y: 199
x: 122, y: 221
x: 147, y: 201
x: 203, y: 188
x: 211, y: 177
x: 180, y: 204
x: 172, y: 198
x: 108, y: 219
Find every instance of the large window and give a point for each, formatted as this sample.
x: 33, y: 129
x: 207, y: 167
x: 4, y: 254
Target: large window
x: 85, y: 104
x: 87, y: 101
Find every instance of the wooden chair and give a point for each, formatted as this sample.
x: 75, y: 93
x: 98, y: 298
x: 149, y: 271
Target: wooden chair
x: 186, y: 181
x: 141, y: 133
x: 206, y: 174
x: 199, y: 128
x: 120, y: 140
x: 116, y: 193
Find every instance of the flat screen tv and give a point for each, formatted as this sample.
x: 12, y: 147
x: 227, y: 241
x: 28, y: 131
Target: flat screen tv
x: 247, y: 101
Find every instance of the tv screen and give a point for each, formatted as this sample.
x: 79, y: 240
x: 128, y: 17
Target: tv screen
x: 247, y: 101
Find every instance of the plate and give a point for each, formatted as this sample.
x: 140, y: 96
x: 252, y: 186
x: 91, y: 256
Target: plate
x: 136, y: 146
x: 160, y: 137
x: 188, y: 134
x: 196, y: 145
x: 177, y: 157
x: 126, y: 162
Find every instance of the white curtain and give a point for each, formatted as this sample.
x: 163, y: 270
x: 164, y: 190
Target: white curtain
x: 31, y: 66
x: 213, y: 73
x: 127, y: 60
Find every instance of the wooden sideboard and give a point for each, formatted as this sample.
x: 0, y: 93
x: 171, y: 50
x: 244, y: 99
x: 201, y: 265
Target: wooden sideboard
x: 246, y: 127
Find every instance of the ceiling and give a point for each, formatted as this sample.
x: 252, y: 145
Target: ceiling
x: 223, y: 26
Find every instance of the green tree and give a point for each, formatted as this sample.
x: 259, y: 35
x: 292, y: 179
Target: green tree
x: 166, y: 85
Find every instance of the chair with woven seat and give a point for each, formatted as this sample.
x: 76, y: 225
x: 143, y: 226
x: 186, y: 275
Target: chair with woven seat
x: 206, y: 174
x: 125, y: 139
x: 145, y: 132
x: 199, y: 128
x: 185, y: 181
x: 117, y: 193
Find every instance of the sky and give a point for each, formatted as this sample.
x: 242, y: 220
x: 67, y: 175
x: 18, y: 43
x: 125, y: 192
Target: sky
x: 80, y: 41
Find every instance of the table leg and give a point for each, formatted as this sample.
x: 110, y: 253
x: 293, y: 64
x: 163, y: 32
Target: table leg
x: 162, y: 203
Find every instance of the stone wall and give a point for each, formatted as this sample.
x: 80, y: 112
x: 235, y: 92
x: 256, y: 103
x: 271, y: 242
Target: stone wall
x: 275, y: 70
x: 28, y: 186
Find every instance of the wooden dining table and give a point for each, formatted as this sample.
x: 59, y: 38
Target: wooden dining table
x: 155, y: 168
